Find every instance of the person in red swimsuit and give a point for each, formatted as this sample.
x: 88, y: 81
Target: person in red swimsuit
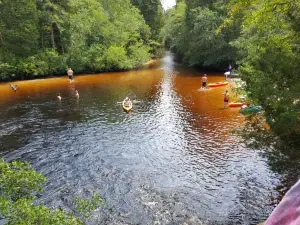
x: 226, y: 98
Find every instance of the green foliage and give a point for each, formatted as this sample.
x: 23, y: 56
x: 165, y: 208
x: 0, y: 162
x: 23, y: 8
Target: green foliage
x: 18, y: 180
x: 191, y: 32
x: 261, y: 37
x: 7, y: 71
x: 41, y: 38
x: 115, y: 58
x: 175, y: 29
x: 18, y: 27
x: 18, y: 185
x: 86, y: 206
x: 153, y: 13
x: 24, y: 212
x: 269, y: 56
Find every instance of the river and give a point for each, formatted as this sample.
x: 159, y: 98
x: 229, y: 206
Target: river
x: 172, y: 160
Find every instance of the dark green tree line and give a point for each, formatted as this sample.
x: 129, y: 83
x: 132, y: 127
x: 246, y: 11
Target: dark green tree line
x: 44, y: 37
x: 19, y: 185
x: 190, y: 32
x: 153, y: 13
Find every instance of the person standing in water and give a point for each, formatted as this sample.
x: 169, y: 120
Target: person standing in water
x: 76, y: 94
x: 204, y: 81
x: 226, y: 98
x: 59, y: 97
x: 70, y: 74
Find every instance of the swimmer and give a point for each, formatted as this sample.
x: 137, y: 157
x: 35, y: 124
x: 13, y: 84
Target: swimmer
x: 58, y: 96
x: 14, y: 87
x: 76, y: 94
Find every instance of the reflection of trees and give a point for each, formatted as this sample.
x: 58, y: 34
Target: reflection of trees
x: 283, y: 156
x: 285, y: 159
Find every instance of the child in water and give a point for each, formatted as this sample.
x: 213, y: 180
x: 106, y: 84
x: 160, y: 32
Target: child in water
x: 58, y: 96
x: 76, y: 94
x: 226, y: 98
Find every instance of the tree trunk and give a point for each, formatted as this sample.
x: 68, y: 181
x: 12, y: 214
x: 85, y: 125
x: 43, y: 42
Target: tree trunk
x: 52, y: 37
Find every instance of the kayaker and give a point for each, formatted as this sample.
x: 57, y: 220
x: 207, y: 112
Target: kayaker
x: 204, y: 81
x: 70, y: 74
x: 76, y: 94
x: 58, y: 96
x: 226, y: 98
x: 127, y: 101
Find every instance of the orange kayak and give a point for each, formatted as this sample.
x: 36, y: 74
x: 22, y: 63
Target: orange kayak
x: 217, y: 84
x: 235, y: 104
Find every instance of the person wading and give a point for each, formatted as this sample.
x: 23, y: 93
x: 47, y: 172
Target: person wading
x: 70, y: 74
x: 204, y: 81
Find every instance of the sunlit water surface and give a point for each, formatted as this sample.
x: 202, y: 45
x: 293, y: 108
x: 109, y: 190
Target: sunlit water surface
x: 170, y: 161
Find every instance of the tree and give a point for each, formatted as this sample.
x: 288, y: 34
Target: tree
x: 152, y: 11
x: 45, y: 37
x: 18, y: 28
x: 18, y: 185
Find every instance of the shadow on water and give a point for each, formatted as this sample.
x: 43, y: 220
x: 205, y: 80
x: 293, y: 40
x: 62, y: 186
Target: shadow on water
x: 171, y: 161
x: 283, y: 156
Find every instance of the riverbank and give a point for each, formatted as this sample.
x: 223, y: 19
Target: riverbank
x: 9, y: 74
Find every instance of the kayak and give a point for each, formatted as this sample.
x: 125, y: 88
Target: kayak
x: 218, y: 84
x: 235, y: 104
x: 253, y: 109
x: 126, y: 108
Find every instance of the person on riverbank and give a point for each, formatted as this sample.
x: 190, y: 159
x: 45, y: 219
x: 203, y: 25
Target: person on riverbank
x: 76, y: 94
x: 70, y: 74
x: 226, y: 98
x: 230, y: 70
x: 204, y: 81
x: 59, y: 97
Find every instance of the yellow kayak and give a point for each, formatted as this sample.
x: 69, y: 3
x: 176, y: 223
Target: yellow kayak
x: 127, y: 107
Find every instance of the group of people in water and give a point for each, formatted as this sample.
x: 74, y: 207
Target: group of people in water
x: 225, y: 94
x: 70, y: 74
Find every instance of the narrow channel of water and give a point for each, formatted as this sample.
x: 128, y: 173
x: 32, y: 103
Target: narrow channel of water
x: 170, y: 161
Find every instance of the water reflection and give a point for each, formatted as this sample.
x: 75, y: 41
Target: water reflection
x: 171, y: 161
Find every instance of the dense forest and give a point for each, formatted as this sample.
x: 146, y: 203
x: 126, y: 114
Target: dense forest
x: 261, y: 39
x: 45, y: 37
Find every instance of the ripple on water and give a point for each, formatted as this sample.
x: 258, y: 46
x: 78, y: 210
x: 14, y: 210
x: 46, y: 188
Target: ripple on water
x: 167, y: 162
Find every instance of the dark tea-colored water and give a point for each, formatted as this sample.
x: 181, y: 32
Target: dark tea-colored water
x: 172, y: 160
